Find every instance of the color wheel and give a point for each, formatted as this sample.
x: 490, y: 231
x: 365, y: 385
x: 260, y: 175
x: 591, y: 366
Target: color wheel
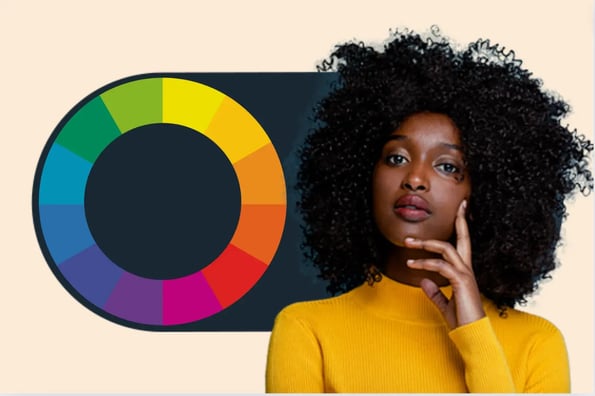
x: 60, y: 196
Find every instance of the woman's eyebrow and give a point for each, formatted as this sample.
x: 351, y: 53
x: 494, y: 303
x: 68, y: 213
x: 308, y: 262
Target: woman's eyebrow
x: 452, y: 146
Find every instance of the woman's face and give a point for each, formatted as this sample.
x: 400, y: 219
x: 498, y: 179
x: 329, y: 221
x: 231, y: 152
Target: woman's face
x: 420, y: 180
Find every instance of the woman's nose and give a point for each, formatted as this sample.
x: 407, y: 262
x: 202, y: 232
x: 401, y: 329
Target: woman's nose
x: 416, y: 179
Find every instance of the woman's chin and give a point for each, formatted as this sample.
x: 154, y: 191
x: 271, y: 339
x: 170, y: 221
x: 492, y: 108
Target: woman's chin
x: 399, y: 240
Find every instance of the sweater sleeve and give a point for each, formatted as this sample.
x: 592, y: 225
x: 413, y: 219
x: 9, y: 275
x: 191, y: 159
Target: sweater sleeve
x: 294, y: 362
x: 548, y: 369
x: 486, y: 368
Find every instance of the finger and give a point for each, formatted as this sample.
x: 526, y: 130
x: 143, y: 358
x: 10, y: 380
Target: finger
x: 436, y: 265
x: 445, y: 249
x: 438, y: 299
x: 468, y: 304
x: 462, y: 231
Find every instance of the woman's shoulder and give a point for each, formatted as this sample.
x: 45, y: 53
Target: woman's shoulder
x: 313, y: 311
x: 522, y: 324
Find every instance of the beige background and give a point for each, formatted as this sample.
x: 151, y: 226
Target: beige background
x: 55, y: 53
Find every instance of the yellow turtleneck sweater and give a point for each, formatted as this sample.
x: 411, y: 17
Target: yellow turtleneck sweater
x: 390, y: 338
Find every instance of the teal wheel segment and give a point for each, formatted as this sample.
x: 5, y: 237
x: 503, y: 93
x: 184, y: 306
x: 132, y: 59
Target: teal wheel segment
x: 63, y: 178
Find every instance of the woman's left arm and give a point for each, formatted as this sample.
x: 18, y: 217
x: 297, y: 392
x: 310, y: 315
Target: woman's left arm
x: 548, y: 368
x: 486, y: 367
x: 545, y: 367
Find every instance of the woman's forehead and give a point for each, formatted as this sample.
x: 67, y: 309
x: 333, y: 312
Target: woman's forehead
x: 435, y: 128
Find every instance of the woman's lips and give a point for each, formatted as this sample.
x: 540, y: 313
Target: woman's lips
x: 412, y: 208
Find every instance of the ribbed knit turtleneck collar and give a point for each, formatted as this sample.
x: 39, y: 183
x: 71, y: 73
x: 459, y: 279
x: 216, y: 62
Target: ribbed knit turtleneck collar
x: 395, y: 300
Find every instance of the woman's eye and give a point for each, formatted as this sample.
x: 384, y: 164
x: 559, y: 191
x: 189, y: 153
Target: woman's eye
x: 449, y: 168
x: 395, y: 159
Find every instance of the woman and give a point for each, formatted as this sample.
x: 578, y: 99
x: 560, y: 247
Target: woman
x: 433, y: 190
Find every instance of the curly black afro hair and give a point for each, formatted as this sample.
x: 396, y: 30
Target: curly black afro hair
x: 522, y: 162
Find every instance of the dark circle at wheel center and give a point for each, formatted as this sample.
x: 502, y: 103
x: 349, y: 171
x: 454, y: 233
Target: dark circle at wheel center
x: 162, y: 201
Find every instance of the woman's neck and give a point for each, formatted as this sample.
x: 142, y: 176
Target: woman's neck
x: 395, y: 266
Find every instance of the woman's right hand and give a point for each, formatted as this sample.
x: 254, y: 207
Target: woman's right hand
x: 465, y: 304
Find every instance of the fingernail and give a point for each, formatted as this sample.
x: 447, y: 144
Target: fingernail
x: 410, y: 261
x: 409, y: 239
x: 464, y: 204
